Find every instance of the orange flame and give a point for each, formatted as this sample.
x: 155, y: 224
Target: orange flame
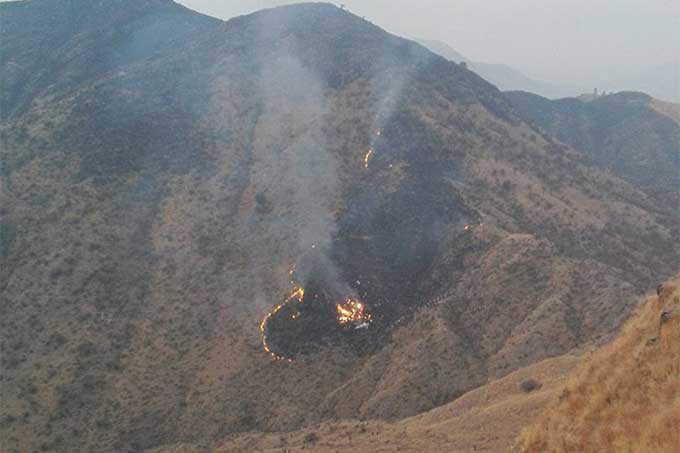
x: 351, y: 310
x: 367, y: 157
x: 297, y: 294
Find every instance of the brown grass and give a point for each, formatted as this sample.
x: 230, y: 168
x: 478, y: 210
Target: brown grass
x: 626, y: 396
x: 486, y: 419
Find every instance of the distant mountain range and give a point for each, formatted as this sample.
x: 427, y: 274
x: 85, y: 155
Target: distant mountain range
x: 662, y: 81
x: 503, y: 76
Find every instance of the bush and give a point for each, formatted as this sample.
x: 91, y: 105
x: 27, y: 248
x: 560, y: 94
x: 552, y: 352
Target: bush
x: 529, y: 385
x: 311, y: 438
x: 262, y: 204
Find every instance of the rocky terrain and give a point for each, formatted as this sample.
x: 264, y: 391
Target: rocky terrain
x: 163, y: 172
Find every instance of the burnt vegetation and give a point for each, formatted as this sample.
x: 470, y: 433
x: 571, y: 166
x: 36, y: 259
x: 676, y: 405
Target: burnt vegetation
x: 386, y: 247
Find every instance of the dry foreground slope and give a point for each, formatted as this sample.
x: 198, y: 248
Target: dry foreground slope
x: 487, y: 419
x: 162, y: 171
x: 626, y: 397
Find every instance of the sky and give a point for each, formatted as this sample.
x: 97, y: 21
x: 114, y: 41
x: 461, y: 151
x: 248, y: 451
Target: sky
x: 561, y: 41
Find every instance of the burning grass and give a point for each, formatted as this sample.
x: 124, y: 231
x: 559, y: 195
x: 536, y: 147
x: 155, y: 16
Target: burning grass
x: 296, y: 296
x: 307, y: 319
x: 352, y: 311
x: 389, y: 252
x: 367, y: 157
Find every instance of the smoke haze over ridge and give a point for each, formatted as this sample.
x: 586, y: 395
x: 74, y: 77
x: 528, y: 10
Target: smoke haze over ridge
x: 579, y: 44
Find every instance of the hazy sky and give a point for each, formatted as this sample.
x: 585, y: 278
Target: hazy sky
x: 565, y: 41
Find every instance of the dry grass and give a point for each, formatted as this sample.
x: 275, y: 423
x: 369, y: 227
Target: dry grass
x: 626, y: 397
x: 486, y: 419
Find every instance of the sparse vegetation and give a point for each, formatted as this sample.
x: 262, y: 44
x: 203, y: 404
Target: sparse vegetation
x: 311, y: 438
x: 624, y: 397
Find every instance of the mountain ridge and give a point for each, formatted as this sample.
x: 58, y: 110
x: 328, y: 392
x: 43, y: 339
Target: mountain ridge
x: 628, y: 133
x: 153, y: 214
x: 70, y: 27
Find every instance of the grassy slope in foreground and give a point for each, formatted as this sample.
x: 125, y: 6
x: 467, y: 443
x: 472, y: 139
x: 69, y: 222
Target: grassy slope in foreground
x: 485, y: 419
x: 626, y: 397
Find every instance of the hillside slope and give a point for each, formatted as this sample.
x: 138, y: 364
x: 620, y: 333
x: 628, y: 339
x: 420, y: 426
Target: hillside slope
x: 630, y: 134
x: 154, y: 207
x: 487, y: 419
x: 625, y: 397
x: 51, y: 46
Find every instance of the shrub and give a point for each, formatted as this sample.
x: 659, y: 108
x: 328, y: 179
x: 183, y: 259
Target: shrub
x: 262, y: 204
x: 311, y: 438
x: 529, y: 385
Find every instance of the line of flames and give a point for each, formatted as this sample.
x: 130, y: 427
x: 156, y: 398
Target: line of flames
x: 367, y: 156
x: 297, y: 294
x: 349, y: 311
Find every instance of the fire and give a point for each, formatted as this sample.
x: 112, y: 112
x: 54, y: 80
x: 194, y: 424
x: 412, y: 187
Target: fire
x: 297, y: 295
x: 349, y: 312
x: 367, y: 157
x: 352, y: 311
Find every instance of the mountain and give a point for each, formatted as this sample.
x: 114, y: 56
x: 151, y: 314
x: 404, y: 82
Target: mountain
x: 625, y: 396
x: 629, y: 134
x: 660, y: 81
x: 165, y: 202
x: 503, y: 76
x: 51, y: 46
